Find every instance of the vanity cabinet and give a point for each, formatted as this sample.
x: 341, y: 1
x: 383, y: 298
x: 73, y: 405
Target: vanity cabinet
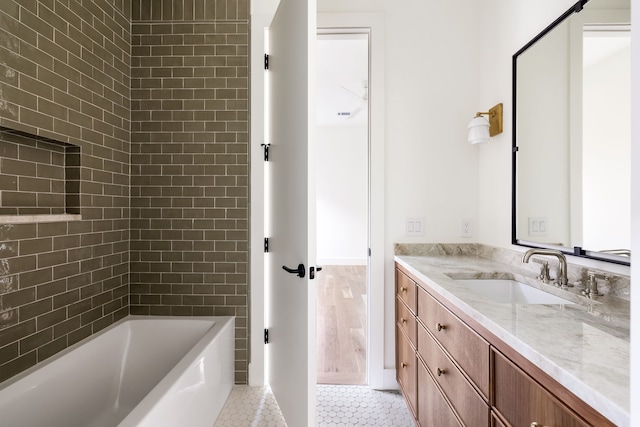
x: 406, y: 360
x: 467, y: 403
x: 453, y: 371
x: 469, y: 350
x: 523, y: 402
x: 433, y: 409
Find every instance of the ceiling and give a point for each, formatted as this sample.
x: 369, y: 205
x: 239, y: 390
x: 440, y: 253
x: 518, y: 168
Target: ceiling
x: 342, y: 78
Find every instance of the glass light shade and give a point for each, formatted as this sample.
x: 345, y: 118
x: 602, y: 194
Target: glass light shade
x: 479, y: 130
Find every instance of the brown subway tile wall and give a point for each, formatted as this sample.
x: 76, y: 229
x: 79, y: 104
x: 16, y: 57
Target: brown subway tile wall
x: 38, y: 176
x: 64, y: 75
x: 159, y: 172
x: 189, y: 223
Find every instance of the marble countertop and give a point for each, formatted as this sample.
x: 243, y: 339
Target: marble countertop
x: 584, y: 346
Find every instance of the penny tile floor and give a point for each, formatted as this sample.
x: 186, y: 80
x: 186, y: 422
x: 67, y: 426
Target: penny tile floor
x: 338, y: 406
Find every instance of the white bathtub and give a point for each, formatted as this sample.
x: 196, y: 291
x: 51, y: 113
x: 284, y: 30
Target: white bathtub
x: 141, y: 371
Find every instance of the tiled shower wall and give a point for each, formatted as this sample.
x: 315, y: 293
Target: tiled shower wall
x: 189, y: 223
x: 175, y: 136
x: 65, y: 75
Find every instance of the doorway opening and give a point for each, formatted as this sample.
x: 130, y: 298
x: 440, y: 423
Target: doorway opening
x: 342, y: 200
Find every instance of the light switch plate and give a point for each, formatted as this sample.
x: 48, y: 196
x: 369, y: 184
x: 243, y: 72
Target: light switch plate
x: 414, y: 227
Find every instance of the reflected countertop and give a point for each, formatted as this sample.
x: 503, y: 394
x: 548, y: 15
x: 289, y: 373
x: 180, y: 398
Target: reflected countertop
x: 584, y: 346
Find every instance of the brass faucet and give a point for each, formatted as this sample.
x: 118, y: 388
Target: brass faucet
x: 562, y: 280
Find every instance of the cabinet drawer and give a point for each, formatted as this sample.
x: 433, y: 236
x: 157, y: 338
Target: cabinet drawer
x: 433, y: 409
x: 470, y: 407
x: 406, y: 372
x: 495, y: 421
x: 406, y: 290
x: 406, y: 320
x: 521, y: 401
x: 469, y: 349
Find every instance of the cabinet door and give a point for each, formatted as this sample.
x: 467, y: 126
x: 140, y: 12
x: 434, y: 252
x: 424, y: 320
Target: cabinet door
x: 470, y: 407
x: 406, y: 321
x: 465, y: 346
x: 406, y: 290
x: 495, y: 421
x: 433, y: 409
x: 523, y: 402
x: 406, y: 369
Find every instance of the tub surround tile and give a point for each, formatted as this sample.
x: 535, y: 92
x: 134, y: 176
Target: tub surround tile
x: 189, y: 216
x: 157, y: 194
x: 571, y: 343
x: 65, y: 117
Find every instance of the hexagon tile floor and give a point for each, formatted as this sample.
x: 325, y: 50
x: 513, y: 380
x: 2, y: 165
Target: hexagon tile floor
x: 338, y: 406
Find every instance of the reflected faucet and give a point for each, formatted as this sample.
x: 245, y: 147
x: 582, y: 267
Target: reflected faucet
x: 562, y: 280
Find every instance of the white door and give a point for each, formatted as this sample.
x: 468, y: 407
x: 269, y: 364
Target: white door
x: 290, y: 211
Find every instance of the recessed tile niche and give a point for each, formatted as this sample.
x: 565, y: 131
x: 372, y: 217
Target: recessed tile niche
x: 39, y: 177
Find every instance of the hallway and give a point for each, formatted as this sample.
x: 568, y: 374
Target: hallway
x: 341, y: 330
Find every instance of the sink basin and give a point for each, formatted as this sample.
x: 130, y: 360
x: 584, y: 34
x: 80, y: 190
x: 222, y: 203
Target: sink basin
x: 508, y: 291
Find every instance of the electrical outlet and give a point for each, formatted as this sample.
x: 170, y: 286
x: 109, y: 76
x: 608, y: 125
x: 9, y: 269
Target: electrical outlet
x: 466, y: 228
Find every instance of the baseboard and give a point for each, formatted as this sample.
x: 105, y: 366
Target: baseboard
x: 389, y: 381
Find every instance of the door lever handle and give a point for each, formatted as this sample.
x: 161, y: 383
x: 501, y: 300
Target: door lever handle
x: 300, y: 271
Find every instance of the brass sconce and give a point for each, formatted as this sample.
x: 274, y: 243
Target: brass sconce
x: 481, y: 129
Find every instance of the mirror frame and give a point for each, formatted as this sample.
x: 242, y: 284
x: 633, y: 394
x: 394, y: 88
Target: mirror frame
x: 577, y: 250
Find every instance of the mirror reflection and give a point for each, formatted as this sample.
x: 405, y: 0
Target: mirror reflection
x: 572, y: 134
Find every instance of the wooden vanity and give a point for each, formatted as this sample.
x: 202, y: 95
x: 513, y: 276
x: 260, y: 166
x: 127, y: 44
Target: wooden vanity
x: 454, y: 371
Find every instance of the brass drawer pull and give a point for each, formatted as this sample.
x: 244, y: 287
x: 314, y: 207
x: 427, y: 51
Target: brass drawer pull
x: 403, y: 289
x: 444, y: 371
x: 403, y: 365
x: 440, y: 326
x: 403, y: 320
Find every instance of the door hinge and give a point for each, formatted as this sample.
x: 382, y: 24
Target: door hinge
x: 266, y: 336
x: 266, y: 61
x: 266, y: 244
x: 266, y: 151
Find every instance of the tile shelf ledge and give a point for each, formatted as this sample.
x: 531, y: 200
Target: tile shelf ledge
x: 26, y: 219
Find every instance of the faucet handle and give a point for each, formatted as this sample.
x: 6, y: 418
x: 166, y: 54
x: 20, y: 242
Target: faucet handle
x: 544, y: 273
x: 591, y: 290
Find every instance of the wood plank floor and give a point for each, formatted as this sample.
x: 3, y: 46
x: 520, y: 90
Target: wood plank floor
x: 341, y: 327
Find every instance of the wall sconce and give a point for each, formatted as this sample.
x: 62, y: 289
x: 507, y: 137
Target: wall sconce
x: 481, y: 129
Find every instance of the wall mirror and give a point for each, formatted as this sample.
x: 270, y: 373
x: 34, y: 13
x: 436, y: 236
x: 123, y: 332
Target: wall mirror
x: 572, y: 134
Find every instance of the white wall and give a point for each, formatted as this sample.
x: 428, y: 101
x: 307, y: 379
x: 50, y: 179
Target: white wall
x: 635, y: 210
x: 432, y: 86
x: 341, y: 195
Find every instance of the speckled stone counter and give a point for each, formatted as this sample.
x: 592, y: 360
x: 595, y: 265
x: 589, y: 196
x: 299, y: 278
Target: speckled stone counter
x: 584, y: 346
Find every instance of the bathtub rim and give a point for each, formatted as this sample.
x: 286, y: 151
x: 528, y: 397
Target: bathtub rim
x: 40, y: 365
x: 140, y: 412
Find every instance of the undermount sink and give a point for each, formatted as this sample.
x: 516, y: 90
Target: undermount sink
x: 508, y: 291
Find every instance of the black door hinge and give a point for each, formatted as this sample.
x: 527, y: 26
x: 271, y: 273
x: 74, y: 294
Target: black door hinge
x: 266, y: 244
x: 266, y: 336
x: 266, y: 61
x: 266, y: 151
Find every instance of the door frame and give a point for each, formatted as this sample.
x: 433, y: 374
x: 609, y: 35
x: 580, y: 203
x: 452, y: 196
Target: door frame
x: 378, y: 376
